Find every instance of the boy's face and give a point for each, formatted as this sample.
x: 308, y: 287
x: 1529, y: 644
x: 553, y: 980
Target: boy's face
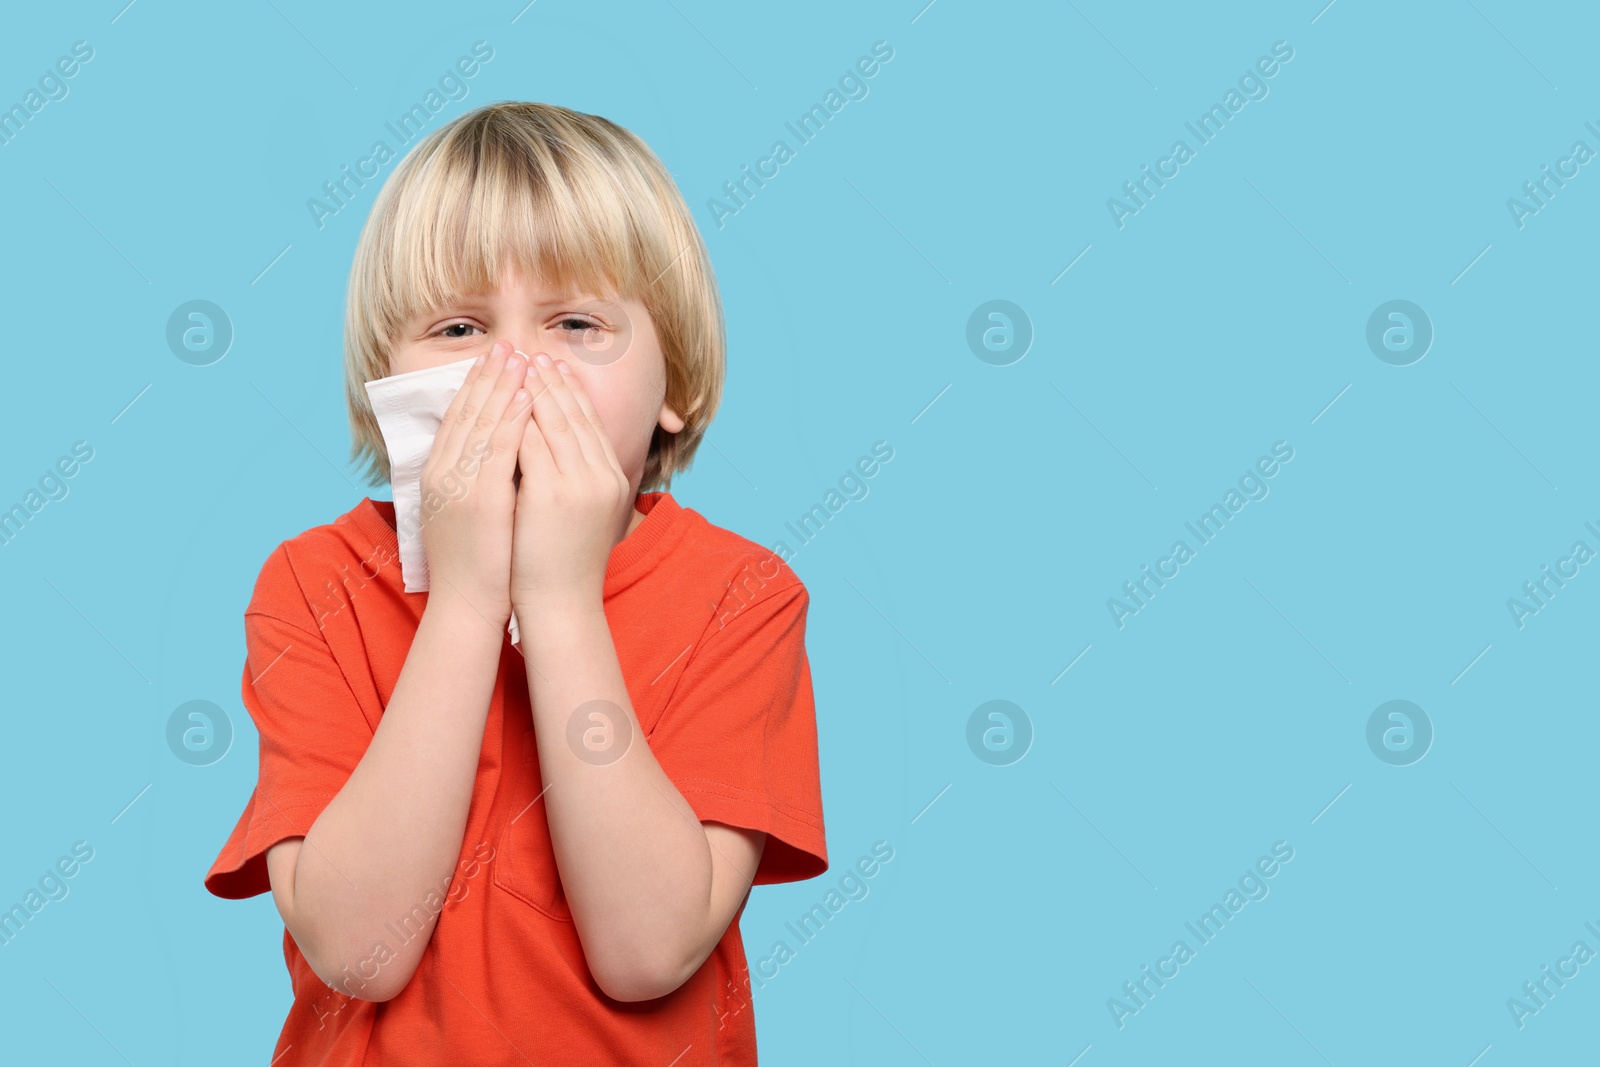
x: 610, y: 344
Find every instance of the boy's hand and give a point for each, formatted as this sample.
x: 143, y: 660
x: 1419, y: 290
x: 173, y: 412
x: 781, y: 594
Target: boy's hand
x: 573, y: 500
x: 468, y: 498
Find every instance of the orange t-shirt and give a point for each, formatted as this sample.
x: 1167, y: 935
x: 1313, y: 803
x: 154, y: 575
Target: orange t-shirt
x: 709, y: 629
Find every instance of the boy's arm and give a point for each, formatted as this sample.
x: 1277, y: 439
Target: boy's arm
x: 651, y: 888
x: 392, y: 835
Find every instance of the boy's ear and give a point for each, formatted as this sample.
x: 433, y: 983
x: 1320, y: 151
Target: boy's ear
x: 669, y: 419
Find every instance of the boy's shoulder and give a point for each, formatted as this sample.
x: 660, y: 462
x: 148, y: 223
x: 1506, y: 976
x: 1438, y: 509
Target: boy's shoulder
x: 739, y: 567
x: 302, y: 564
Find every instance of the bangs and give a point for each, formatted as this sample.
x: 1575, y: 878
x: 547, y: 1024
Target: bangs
x: 484, y: 202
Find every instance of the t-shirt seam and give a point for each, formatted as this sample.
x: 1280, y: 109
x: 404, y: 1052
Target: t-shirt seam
x: 296, y: 802
x: 289, y: 622
x: 316, y: 635
x: 772, y: 595
x: 300, y: 587
x: 700, y: 642
x: 294, y: 569
x: 712, y: 787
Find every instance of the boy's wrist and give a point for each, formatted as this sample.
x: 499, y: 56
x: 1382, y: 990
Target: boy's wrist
x: 555, y: 605
x: 460, y: 609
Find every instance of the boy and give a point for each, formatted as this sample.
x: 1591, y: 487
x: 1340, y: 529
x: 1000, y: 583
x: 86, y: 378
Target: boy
x: 489, y: 853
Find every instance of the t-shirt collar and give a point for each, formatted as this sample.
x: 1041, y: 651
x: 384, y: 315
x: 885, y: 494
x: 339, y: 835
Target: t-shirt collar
x: 633, y: 557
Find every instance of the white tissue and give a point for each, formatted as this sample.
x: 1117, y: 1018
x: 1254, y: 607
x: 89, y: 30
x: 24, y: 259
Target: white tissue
x: 410, y: 408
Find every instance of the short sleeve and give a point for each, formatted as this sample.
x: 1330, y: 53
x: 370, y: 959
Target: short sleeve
x: 313, y: 734
x: 738, y: 737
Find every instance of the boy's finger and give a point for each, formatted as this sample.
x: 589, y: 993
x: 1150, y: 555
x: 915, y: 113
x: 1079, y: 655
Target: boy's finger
x: 506, y: 439
x: 556, y: 427
x: 533, y: 455
x: 507, y: 384
x: 468, y: 401
x: 586, y: 405
x: 561, y: 385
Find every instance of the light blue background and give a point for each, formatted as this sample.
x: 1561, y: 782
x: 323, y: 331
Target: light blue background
x: 1228, y: 314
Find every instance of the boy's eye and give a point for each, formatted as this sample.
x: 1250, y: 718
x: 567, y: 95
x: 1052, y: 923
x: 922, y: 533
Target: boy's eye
x: 566, y: 325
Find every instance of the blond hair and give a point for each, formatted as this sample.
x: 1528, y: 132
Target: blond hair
x: 570, y: 198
